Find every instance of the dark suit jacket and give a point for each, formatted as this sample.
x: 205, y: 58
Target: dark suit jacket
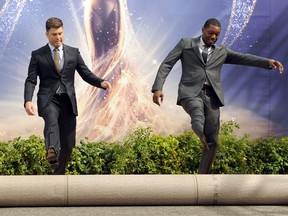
x: 42, y: 66
x: 194, y: 70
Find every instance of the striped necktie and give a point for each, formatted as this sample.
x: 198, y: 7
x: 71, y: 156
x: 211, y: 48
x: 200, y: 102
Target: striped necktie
x: 57, y: 59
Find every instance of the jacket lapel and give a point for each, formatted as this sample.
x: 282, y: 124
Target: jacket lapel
x: 65, y: 56
x: 195, y: 47
x: 213, y: 55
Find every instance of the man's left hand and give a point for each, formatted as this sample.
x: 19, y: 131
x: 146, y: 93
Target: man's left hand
x: 276, y: 64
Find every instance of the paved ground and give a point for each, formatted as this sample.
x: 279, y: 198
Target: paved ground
x: 149, y: 210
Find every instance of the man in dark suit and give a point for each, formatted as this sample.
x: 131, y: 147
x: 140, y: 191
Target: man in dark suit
x: 55, y: 65
x: 200, y: 90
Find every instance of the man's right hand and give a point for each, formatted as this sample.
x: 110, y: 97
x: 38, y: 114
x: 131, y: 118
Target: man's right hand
x: 29, y: 108
x: 158, y: 97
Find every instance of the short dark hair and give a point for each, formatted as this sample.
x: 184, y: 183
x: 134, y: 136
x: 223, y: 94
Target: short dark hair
x: 212, y: 21
x: 53, y: 22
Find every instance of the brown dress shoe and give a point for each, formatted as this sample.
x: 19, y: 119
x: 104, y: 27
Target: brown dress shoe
x: 52, y: 157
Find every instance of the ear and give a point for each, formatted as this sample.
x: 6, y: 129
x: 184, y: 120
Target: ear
x: 203, y: 29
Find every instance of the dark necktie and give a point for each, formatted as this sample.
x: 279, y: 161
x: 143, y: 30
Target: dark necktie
x: 57, y: 59
x: 205, y: 53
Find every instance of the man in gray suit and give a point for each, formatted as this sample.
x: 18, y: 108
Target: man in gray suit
x: 200, y: 90
x: 55, y: 65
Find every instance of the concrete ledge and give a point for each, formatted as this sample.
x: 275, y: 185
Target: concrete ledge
x: 96, y: 190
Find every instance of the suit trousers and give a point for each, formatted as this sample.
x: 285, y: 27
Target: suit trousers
x: 60, y: 129
x: 205, y: 120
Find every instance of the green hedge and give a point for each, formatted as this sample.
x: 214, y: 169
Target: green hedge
x: 144, y: 152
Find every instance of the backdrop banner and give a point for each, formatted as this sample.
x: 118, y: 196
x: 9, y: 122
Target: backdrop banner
x: 124, y: 41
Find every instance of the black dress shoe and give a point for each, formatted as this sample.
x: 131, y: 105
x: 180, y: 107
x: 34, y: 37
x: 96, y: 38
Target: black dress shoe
x: 52, y: 157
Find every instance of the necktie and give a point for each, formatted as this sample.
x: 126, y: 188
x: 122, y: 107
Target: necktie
x: 57, y: 59
x: 205, y: 53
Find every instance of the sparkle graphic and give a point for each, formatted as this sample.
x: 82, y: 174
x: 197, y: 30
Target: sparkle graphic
x: 240, y: 15
x: 9, y: 16
x: 112, y: 115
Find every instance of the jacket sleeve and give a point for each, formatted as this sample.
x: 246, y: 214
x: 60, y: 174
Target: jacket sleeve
x: 247, y: 59
x: 86, y: 73
x: 167, y: 65
x: 31, y: 80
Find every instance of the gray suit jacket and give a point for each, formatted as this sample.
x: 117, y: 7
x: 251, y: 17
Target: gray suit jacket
x: 194, y: 70
x: 42, y: 66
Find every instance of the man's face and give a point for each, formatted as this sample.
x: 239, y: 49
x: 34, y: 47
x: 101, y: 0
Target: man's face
x: 211, y: 34
x: 55, y: 36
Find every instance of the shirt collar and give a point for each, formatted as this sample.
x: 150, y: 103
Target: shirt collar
x: 52, y: 47
x: 201, y: 43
